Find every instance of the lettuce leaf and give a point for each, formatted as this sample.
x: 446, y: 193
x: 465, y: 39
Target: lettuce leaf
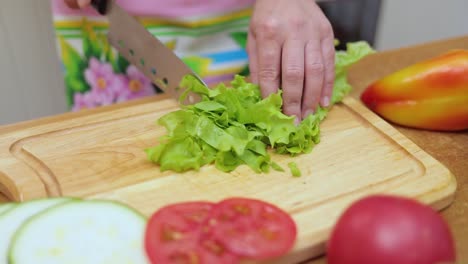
x: 294, y: 169
x: 234, y: 126
x: 355, y: 51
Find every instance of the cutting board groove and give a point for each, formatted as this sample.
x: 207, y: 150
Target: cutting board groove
x: 98, y: 154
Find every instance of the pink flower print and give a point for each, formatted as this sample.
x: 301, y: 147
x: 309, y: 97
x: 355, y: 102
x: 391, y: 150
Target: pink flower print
x: 83, y: 101
x: 137, y: 85
x: 102, y: 79
x: 94, y: 98
x: 102, y: 99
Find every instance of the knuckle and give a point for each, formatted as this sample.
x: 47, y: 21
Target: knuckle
x: 292, y: 102
x: 330, y: 59
x: 294, y: 73
x: 269, y: 74
x: 326, y: 28
x: 329, y: 82
x: 291, y: 105
x: 315, y: 68
x: 328, y: 87
x: 267, y: 28
x: 329, y: 65
x: 328, y: 31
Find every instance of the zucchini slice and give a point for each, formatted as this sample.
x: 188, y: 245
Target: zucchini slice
x: 12, y: 219
x: 87, y: 231
x: 5, y: 207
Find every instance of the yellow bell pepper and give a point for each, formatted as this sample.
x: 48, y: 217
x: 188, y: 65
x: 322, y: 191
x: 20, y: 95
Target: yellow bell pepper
x: 431, y: 94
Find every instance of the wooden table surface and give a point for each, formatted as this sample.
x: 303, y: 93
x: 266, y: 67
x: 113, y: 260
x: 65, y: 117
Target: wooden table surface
x: 451, y: 149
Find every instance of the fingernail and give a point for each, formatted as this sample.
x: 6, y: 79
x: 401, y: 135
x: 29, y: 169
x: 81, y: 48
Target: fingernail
x: 325, y: 101
x: 308, y: 113
x: 83, y: 3
x: 297, y: 121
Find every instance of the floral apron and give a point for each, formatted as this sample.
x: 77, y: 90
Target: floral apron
x: 208, y: 35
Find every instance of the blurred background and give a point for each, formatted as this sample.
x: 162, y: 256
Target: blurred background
x: 32, y: 85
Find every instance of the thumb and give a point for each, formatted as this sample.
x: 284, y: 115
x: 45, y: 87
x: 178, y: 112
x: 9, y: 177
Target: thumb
x: 76, y: 4
x: 84, y: 3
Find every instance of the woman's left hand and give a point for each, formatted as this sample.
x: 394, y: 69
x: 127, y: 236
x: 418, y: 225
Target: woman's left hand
x: 291, y: 45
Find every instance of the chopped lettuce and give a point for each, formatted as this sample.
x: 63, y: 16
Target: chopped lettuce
x: 294, y: 169
x: 233, y: 126
x: 355, y: 51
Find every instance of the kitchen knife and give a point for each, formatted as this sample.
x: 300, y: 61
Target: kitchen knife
x: 135, y: 43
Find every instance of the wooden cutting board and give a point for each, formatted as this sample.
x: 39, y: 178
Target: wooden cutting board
x: 99, y: 154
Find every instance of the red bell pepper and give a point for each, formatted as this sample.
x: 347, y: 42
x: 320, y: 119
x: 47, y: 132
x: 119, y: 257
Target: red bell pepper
x: 431, y: 94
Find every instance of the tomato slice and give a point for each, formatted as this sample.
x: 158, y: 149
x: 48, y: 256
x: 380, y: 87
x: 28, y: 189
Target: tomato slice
x: 174, y: 235
x: 252, y: 228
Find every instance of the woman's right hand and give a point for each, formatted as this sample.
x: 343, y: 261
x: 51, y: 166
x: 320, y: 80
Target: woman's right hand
x: 77, y: 3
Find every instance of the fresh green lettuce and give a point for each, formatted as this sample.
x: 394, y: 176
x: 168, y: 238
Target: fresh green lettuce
x: 294, y: 169
x: 233, y: 126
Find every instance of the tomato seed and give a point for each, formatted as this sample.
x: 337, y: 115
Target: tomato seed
x: 242, y: 209
x: 268, y: 234
x: 194, y: 258
x: 212, y: 222
x: 169, y: 234
x: 213, y: 247
x: 268, y: 215
x: 224, y: 218
x: 184, y: 258
x: 197, y: 217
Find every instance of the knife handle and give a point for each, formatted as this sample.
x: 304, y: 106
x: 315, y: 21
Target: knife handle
x: 100, y: 6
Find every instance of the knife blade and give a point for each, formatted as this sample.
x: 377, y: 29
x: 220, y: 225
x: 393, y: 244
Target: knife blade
x: 143, y: 50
